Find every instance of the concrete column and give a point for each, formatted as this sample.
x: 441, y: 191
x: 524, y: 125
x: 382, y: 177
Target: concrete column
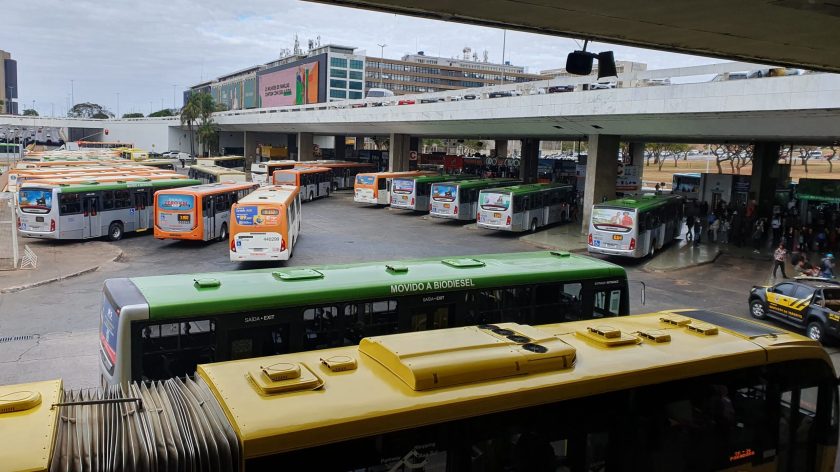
x: 291, y: 144
x: 601, y: 166
x: 249, y: 144
x: 637, y: 163
x: 305, y: 141
x: 766, y: 176
x: 360, y: 143
x: 501, y: 148
x: 340, y: 147
x: 398, y: 152
x: 530, y: 160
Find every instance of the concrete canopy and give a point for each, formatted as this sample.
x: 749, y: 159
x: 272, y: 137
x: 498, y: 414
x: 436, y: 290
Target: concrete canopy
x: 794, y: 33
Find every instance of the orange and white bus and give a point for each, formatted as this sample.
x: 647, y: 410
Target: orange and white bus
x: 344, y: 172
x: 314, y: 182
x: 264, y: 226
x: 375, y: 187
x: 261, y: 172
x: 199, y: 212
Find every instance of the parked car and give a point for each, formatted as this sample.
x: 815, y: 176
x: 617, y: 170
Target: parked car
x: 499, y: 94
x: 471, y: 96
x: 807, y: 303
x: 815, y: 154
x: 406, y: 101
x: 454, y: 98
x: 561, y: 88
x: 432, y: 100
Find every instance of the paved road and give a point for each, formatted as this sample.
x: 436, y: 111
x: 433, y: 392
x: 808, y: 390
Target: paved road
x: 62, y: 318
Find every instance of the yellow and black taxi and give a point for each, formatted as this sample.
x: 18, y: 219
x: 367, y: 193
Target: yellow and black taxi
x: 809, y: 303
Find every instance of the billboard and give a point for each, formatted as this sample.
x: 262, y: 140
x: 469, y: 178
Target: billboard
x: 230, y: 95
x: 298, y: 83
x: 250, y: 93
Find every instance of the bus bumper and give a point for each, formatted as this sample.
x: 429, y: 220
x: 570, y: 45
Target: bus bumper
x: 612, y: 252
x: 39, y: 234
x: 498, y: 228
x: 278, y: 256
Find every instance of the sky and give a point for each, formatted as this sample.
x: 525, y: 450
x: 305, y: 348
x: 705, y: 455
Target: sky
x: 131, y: 56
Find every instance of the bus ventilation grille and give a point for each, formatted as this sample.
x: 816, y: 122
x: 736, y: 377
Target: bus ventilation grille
x: 9, y: 339
x: 177, y: 421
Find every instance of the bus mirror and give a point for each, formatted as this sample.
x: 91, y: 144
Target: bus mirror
x: 644, y: 287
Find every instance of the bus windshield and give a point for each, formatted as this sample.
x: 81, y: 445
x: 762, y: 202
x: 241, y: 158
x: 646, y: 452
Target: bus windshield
x: 444, y: 193
x: 495, y: 201
x: 176, y: 202
x: 613, y: 219
x: 365, y: 179
x: 403, y: 186
x: 285, y: 178
x: 34, y: 200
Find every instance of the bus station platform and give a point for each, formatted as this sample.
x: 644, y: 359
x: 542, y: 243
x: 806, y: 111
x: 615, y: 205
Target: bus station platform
x: 57, y: 260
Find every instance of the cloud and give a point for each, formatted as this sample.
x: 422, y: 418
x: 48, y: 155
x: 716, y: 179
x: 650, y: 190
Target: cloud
x: 140, y: 49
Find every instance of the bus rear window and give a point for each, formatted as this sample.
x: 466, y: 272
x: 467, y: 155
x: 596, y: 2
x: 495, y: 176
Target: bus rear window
x: 365, y: 179
x: 616, y: 220
x: 403, y: 185
x: 444, y: 193
x: 285, y: 178
x: 176, y: 202
x: 32, y: 200
x: 495, y: 201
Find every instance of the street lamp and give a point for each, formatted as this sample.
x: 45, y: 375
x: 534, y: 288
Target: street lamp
x: 381, y: 60
x: 118, y: 104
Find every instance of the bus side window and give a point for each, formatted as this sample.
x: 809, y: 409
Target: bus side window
x: 108, y: 200
x: 70, y: 203
x: 380, y: 318
x: 382, y: 183
x: 607, y: 302
x: 323, y: 328
x: 122, y: 199
x: 207, y: 204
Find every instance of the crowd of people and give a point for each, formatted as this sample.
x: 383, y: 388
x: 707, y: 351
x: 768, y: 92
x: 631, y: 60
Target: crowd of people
x: 809, y: 240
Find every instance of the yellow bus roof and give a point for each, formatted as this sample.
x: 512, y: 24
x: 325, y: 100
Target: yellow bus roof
x: 29, y: 424
x: 216, y: 170
x: 415, y: 379
x: 304, y: 170
x: 271, y: 194
x: 398, y: 174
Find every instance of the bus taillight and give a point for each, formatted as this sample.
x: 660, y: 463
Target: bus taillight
x: 456, y: 209
x: 478, y: 216
x: 282, y: 244
x: 507, y: 222
x: 412, y: 201
x: 18, y: 222
x: 590, y: 239
x: 632, y: 243
x: 232, y: 244
x: 52, y: 224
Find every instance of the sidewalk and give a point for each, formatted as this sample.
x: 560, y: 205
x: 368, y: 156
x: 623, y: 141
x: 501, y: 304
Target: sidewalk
x: 57, y: 260
x: 565, y: 237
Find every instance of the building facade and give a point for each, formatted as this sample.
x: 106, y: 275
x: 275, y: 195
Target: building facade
x: 343, y: 73
x: 8, y: 83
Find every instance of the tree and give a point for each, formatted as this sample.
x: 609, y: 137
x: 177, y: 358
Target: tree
x: 163, y: 113
x: 679, y: 150
x: 655, y: 151
x: 30, y: 112
x: 830, y: 158
x: 89, y: 110
x: 805, y: 155
x: 132, y: 115
x: 721, y: 155
x: 743, y: 156
x: 208, y: 136
x: 189, y: 116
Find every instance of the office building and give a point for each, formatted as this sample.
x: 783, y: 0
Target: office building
x: 8, y: 84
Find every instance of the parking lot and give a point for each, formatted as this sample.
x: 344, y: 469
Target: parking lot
x: 53, y: 327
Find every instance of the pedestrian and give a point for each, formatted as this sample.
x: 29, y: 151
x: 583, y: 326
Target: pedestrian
x: 779, y: 260
x: 776, y: 226
x: 689, y: 220
x: 658, y: 189
x: 698, y: 230
x: 789, y: 238
x: 758, y: 235
x: 827, y: 266
x: 713, y: 230
x: 725, y: 226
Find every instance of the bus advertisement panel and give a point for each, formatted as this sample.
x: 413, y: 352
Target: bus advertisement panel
x: 177, y: 214
x: 35, y: 200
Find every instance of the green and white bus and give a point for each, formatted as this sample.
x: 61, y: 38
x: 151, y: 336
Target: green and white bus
x: 524, y: 207
x: 90, y: 210
x: 214, y: 174
x: 162, y: 326
x: 412, y: 193
x: 459, y: 200
x: 636, y: 226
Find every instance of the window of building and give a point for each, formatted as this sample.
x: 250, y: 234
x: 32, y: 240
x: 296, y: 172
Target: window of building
x: 338, y: 73
x: 338, y: 62
x: 355, y: 74
x: 356, y: 64
x: 355, y: 95
x: 334, y: 93
x: 355, y: 85
x: 338, y: 83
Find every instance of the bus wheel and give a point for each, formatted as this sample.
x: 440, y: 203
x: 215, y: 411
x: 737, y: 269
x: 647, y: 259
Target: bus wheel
x: 115, y: 231
x: 815, y: 331
x: 223, y: 234
x: 534, y: 225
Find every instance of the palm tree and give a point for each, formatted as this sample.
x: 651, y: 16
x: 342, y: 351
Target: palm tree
x: 207, y: 135
x: 189, y: 115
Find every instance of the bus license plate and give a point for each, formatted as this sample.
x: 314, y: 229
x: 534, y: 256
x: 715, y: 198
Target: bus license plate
x: 39, y: 219
x: 617, y: 237
x: 183, y: 217
x: 405, y: 197
x: 497, y: 215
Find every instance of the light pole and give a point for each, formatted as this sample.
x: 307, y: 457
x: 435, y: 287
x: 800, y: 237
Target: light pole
x: 381, y: 60
x: 118, y: 104
x: 10, y: 100
x: 72, y: 96
x: 174, y: 86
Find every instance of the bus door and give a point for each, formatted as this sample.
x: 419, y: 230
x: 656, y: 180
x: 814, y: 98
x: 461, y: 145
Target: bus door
x: 92, y: 225
x: 209, y: 217
x: 142, y: 210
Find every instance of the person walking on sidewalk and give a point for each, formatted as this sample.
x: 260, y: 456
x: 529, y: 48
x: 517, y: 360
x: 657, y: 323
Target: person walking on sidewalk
x: 758, y: 235
x: 779, y: 260
x: 827, y: 266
